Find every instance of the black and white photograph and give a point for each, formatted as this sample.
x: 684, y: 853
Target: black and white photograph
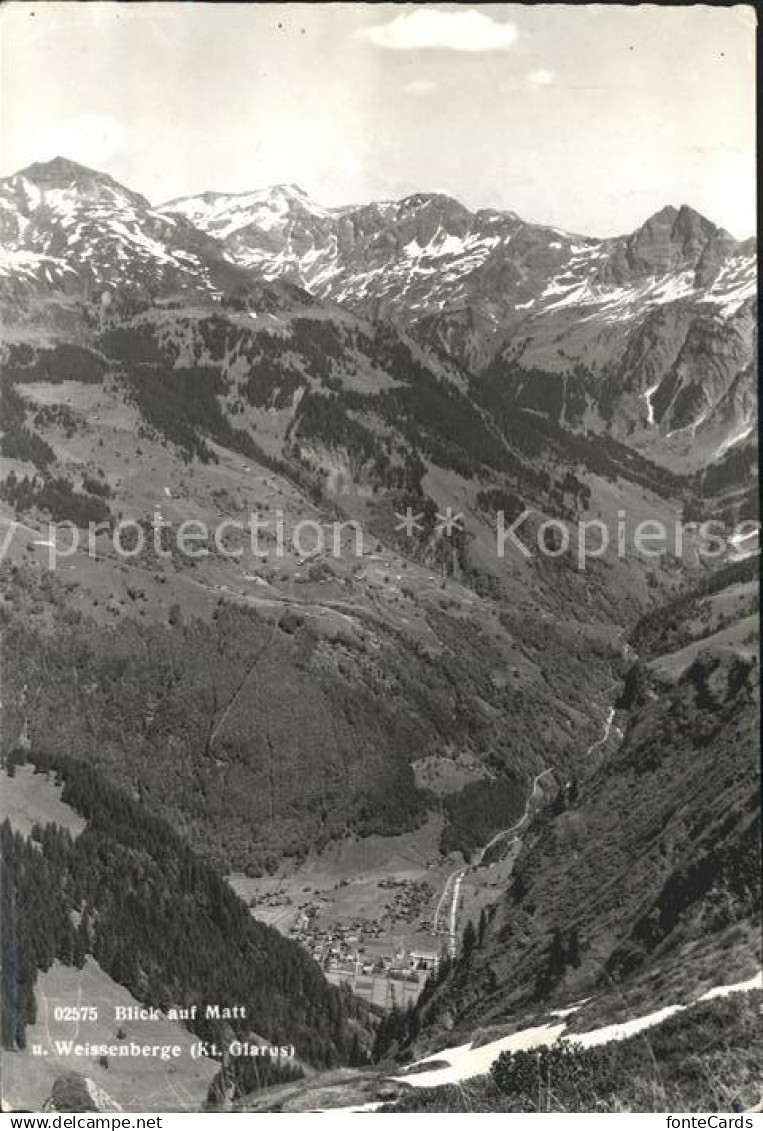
x: 379, y: 563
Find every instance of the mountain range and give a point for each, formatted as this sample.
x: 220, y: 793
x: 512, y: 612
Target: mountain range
x: 615, y: 326
x: 320, y: 727
x: 649, y: 337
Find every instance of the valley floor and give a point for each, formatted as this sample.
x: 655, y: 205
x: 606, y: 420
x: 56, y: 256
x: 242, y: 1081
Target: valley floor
x: 379, y: 913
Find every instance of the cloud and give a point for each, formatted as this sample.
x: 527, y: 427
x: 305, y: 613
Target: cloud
x: 420, y: 86
x: 541, y: 77
x: 427, y: 28
x: 89, y: 138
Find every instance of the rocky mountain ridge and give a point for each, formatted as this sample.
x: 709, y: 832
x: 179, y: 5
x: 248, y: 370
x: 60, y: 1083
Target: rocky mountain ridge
x: 68, y: 229
x: 649, y: 336
x: 475, y: 365
x: 599, y: 333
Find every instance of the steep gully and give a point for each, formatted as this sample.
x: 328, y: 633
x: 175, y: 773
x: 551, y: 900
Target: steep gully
x: 452, y: 888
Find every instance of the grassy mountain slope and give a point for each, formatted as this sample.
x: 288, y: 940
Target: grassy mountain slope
x: 160, y: 921
x: 644, y: 883
x: 353, y: 666
x: 297, y: 735
x: 239, y: 710
x: 703, y: 1059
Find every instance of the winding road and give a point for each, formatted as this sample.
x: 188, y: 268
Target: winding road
x: 505, y: 833
x: 452, y: 888
x: 453, y: 883
x: 438, y: 909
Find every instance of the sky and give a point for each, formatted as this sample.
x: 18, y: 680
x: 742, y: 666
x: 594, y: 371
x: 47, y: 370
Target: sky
x: 587, y: 118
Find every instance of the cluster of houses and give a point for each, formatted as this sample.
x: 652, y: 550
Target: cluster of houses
x: 371, y: 954
x: 353, y: 951
x: 411, y: 900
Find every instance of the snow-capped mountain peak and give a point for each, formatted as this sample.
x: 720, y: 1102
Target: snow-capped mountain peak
x: 645, y: 332
x: 225, y: 214
x: 70, y: 228
x: 56, y: 182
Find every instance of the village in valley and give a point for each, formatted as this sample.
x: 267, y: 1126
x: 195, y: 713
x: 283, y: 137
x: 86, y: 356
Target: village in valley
x: 382, y: 932
x: 385, y: 959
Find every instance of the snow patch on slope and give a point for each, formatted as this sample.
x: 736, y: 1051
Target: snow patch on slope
x: 464, y: 1062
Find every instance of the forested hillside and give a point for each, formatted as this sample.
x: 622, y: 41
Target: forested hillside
x: 161, y: 922
x: 642, y: 880
x: 294, y: 737
x: 386, y: 723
